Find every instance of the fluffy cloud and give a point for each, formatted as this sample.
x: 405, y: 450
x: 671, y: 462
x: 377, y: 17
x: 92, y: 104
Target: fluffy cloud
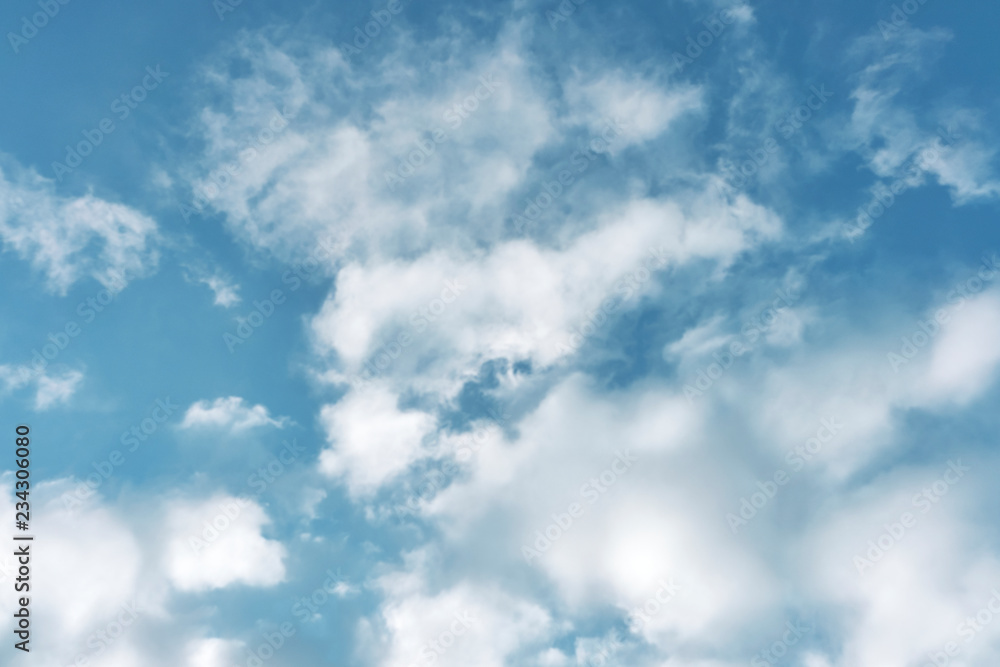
x: 521, y: 301
x: 463, y: 625
x: 964, y: 360
x: 108, y: 576
x: 58, y: 235
x: 608, y: 479
x: 218, y: 542
x: 309, y: 144
x: 372, y: 439
x: 902, y: 560
x: 228, y: 413
x: 89, y: 577
x: 213, y: 652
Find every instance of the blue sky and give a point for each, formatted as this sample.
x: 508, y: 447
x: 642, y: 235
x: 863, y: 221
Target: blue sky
x: 526, y: 334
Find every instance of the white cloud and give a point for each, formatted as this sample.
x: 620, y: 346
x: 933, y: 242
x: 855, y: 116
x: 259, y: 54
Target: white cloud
x: 641, y: 107
x: 371, y: 439
x: 652, y: 521
x: 102, y: 589
x: 213, y: 652
x: 466, y: 624
x: 226, y: 292
x: 217, y: 543
x: 54, y: 390
x: 892, y: 135
x: 92, y: 573
x: 229, y: 413
x: 50, y: 390
x: 15, y: 377
x: 279, y: 199
x: 68, y: 238
x: 964, y: 359
x: 521, y: 301
x: 524, y: 299
x: 931, y: 576
x: 699, y: 340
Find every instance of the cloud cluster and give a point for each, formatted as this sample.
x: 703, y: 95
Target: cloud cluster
x: 434, y: 286
x: 803, y: 492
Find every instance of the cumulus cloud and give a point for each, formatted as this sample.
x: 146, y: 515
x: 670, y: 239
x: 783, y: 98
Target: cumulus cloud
x: 520, y: 301
x: 465, y: 624
x: 218, y: 542
x: 92, y: 575
x: 611, y: 498
x: 372, y: 439
x: 887, y: 579
x: 107, y: 584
